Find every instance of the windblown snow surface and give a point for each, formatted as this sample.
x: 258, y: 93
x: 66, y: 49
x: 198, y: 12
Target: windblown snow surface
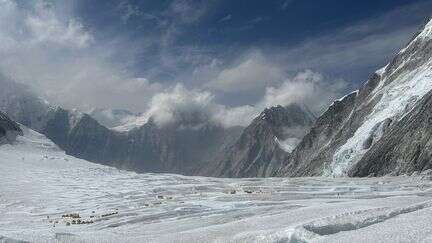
x: 39, y: 184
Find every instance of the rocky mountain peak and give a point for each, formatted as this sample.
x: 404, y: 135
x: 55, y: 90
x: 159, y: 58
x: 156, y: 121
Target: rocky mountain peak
x: 291, y: 115
x: 264, y: 143
x: 353, y: 128
x: 9, y: 129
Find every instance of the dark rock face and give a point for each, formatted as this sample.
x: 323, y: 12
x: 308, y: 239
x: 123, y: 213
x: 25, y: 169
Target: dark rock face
x: 259, y: 152
x: 177, y: 148
x: 20, y: 103
x: 149, y: 148
x: 405, y: 147
x: 384, y: 128
x: 331, y: 146
x: 320, y: 143
x: 184, y: 147
x: 9, y: 129
x: 180, y: 150
x: 89, y: 140
x: 57, y: 127
x: 332, y: 130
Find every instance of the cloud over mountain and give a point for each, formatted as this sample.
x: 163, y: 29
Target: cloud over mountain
x: 195, y: 107
x: 132, y: 54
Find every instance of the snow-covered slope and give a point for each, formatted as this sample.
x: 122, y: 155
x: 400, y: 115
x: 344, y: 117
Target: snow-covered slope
x: 132, y: 123
x: 353, y: 125
x: 405, y: 146
x: 43, y: 194
x: 402, y: 83
x: 112, y: 118
x: 148, y: 147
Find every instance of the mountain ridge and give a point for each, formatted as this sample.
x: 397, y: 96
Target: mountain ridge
x: 362, y: 118
x: 258, y: 151
x: 346, y: 140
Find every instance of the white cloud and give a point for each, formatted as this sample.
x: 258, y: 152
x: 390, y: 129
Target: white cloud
x: 194, y: 107
x: 225, y: 19
x: 187, y: 11
x: 139, y: 85
x: 45, y: 27
x: 59, y: 57
x: 129, y: 10
x: 39, y: 25
x: 252, y: 73
x: 189, y: 107
x: 236, y: 116
x: 308, y: 88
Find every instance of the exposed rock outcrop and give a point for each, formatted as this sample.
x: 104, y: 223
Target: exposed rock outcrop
x: 405, y: 147
x: 383, y: 128
x: 264, y: 144
x: 9, y: 129
x: 149, y: 148
x: 358, y: 135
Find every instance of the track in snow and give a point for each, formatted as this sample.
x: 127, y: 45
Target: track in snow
x: 39, y: 184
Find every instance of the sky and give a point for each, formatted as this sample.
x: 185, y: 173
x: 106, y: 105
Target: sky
x: 224, y: 57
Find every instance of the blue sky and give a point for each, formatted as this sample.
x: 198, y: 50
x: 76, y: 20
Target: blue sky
x: 198, y: 31
x: 120, y: 54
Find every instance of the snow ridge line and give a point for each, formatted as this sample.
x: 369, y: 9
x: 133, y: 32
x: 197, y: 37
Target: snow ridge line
x: 357, y: 219
x: 347, y: 222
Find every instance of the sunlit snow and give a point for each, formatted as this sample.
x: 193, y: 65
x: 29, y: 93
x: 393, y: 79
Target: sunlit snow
x: 39, y: 184
x: 396, y: 99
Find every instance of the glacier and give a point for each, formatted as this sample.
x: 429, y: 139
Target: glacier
x: 42, y: 188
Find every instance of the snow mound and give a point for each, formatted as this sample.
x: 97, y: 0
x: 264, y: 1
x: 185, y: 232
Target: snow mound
x: 359, y: 219
x: 43, y: 193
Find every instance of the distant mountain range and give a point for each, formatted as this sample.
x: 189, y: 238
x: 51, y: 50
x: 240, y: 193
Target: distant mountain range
x: 117, y: 137
x: 383, y: 128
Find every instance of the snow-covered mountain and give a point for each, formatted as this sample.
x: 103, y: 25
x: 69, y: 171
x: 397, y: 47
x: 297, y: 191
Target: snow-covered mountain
x: 265, y: 143
x: 149, y: 148
x: 383, y: 128
x: 405, y: 146
x: 22, y: 104
x: 177, y: 148
x: 190, y: 147
x: 48, y: 196
x: 375, y: 130
x: 112, y: 118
